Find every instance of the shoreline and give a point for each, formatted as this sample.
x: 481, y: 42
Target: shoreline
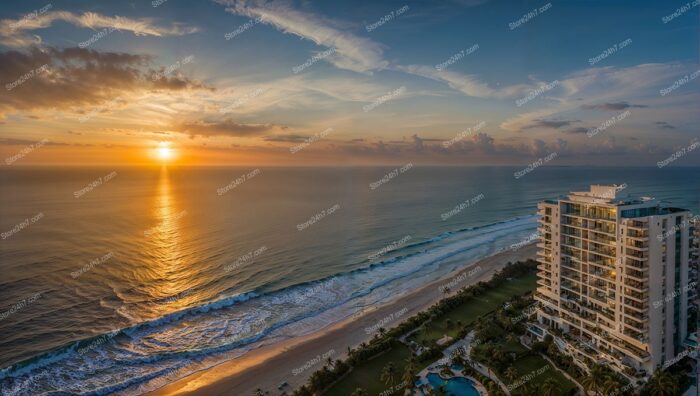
x: 270, y: 365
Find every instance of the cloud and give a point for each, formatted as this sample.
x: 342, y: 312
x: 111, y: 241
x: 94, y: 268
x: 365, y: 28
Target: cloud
x: 360, y: 54
x: 352, y: 52
x: 577, y: 130
x: 608, y: 85
x: 13, y: 31
x: 664, y: 125
x: 225, y: 128
x: 612, y: 106
x: 468, y: 84
x: 24, y: 142
x: 79, y: 80
x: 553, y: 124
x: 286, y: 138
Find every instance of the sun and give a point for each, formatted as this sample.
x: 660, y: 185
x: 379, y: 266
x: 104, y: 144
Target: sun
x: 164, y: 153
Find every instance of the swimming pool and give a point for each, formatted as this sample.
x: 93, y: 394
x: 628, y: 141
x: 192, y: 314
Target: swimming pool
x: 456, y: 386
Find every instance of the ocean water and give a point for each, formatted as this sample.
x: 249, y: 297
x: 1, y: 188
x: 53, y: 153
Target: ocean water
x: 120, y: 280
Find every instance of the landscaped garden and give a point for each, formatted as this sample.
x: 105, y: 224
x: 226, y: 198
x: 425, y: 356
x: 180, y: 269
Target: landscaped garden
x: 386, y: 364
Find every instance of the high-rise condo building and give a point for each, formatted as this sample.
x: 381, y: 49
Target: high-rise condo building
x: 614, y: 279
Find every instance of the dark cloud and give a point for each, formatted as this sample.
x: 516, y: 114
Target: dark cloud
x: 664, y: 125
x: 24, y: 142
x: 552, y: 124
x: 75, y: 78
x: 225, y: 128
x: 613, y: 106
x: 576, y: 130
x: 286, y: 138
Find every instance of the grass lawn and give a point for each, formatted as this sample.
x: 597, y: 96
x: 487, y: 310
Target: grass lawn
x: 367, y: 376
x: 530, y: 364
x: 478, y: 306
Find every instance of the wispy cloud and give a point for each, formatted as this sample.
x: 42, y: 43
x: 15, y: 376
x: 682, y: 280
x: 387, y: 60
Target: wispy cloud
x: 552, y: 124
x: 14, y: 32
x: 664, y: 125
x: 604, y: 88
x: 612, y: 106
x: 225, y: 128
x: 352, y: 52
x: 468, y: 84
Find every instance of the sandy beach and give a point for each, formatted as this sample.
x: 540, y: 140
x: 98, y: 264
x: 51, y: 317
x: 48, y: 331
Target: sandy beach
x: 296, y: 359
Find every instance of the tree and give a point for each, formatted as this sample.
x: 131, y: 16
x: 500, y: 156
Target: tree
x: 526, y: 390
x: 595, y: 379
x: 611, y: 386
x: 446, y: 371
x: 388, y: 374
x: 550, y: 388
x: 409, y: 374
x: 662, y: 384
x: 511, y: 373
x: 258, y: 392
x: 441, y: 391
x: 359, y: 392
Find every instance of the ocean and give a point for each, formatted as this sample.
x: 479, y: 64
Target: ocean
x: 121, y: 280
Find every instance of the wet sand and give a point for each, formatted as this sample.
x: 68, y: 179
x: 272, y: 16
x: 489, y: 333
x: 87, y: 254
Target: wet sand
x: 269, y: 366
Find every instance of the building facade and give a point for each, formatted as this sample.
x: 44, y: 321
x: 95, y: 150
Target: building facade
x: 614, y: 279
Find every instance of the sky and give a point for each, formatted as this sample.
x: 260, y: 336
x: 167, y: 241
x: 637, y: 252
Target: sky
x: 304, y: 83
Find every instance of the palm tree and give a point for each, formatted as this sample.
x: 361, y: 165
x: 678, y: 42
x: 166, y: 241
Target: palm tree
x: 409, y: 374
x: 550, y: 388
x: 526, y: 390
x: 662, y: 384
x: 446, y: 371
x: 595, y: 379
x: 359, y: 392
x: 258, y: 392
x: 511, y: 373
x: 441, y: 391
x: 611, y: 386
x: 388, y: 373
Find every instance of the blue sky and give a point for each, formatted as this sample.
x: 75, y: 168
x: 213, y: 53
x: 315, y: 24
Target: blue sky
x: 240, y: 101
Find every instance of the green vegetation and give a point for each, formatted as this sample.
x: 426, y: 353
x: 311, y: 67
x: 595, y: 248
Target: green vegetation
x: 477, y: 306
x: 368, y: 375
x: 525, y: 371
x: 385, y: 363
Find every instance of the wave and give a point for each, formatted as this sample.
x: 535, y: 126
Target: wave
x: 145, y: 351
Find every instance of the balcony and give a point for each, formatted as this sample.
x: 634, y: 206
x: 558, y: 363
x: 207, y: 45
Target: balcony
x: 600, y: 249
x: 641, y: 226
x: 641, y: 286
x: 639, y: 234
x: 637, y: 254
x: 636, y: 305
x: 635, y: 295
x: 637, y: 263
x: 602, y: 261
x: 639, y: 276
x: 639, y: 245
x: 544, y: 282
x: 567, y: 220
x: 634, y: 314
x: 611, y: 242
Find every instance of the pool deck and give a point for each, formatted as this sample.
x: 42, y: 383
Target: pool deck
x: 436, y: 368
